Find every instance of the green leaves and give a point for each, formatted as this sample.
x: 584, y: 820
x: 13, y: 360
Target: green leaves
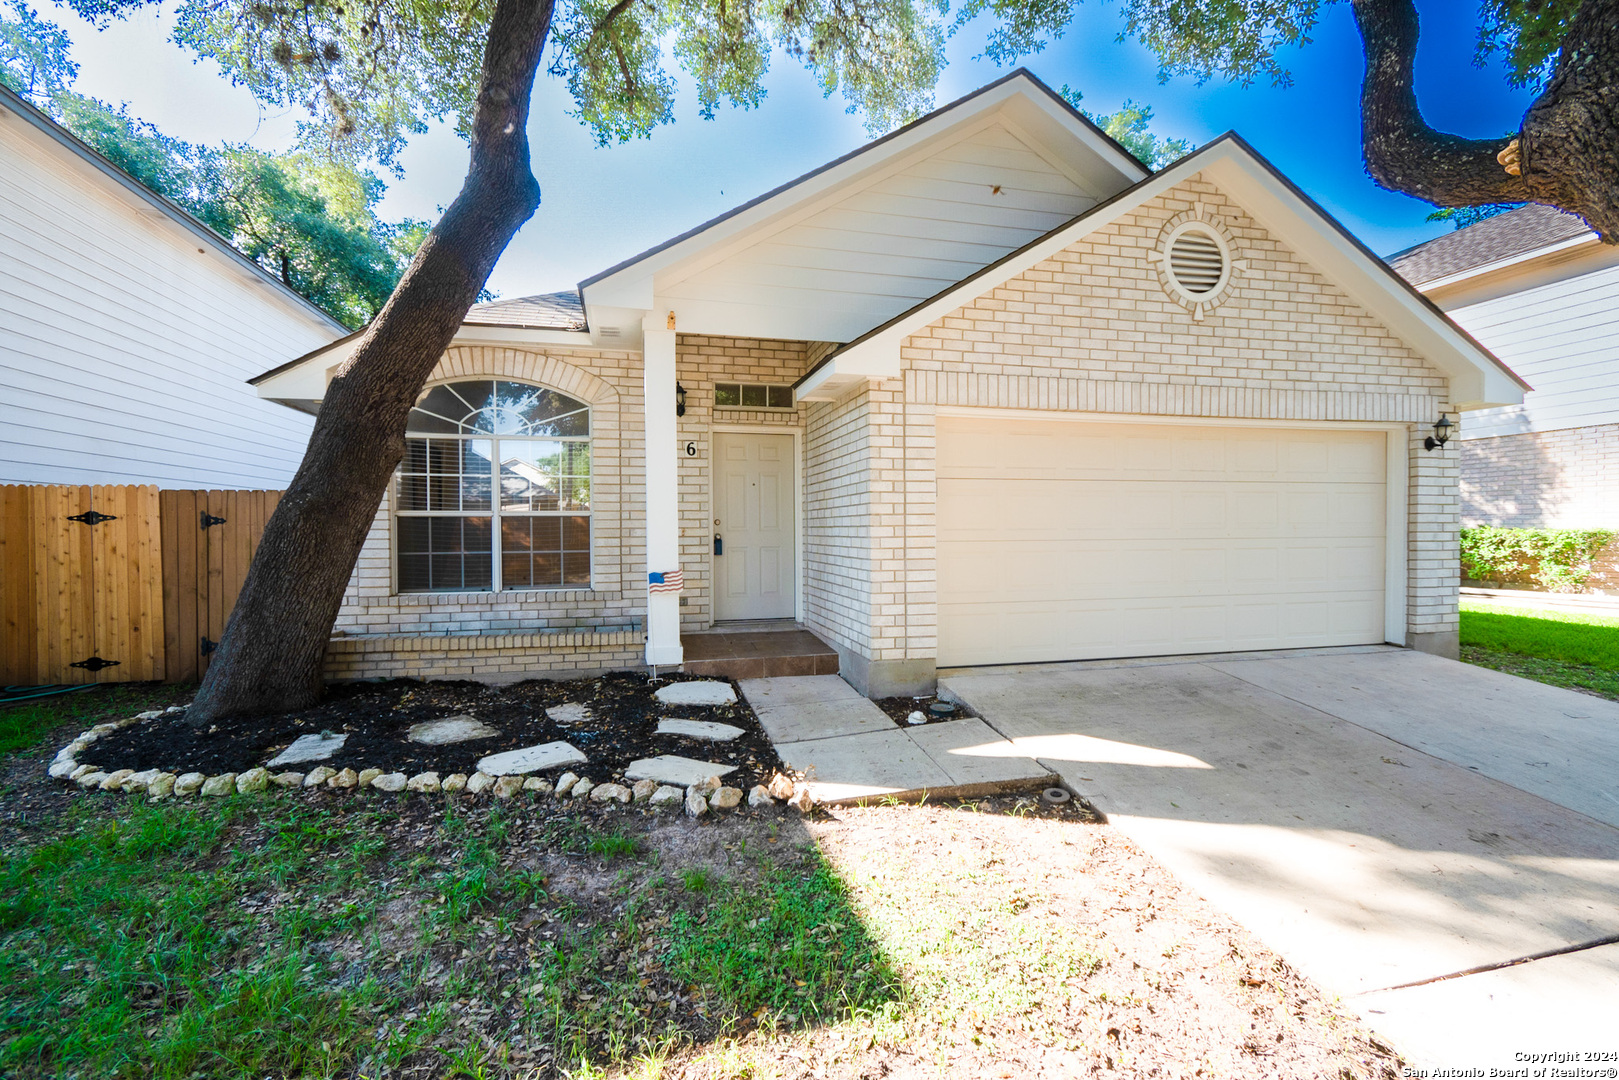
x: 311, y: 223
x: 33, y: 54
x: 1558, y: 560
x: 1129, y: 127
x: 368, y: 72
x: 1526, y: 33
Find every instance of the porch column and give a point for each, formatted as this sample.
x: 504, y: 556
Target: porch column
x: 662, y: 492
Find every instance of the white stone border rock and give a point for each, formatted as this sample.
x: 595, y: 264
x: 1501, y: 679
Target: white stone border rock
x: 697, y: 800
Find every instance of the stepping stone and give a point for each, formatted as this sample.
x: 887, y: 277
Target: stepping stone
x: 704, y: 692
x: 568, y: 713
x: 308, y: 748
x: 679, y: 771
x: 531, y: 759
x: 454, y: 729
x: 698, y: 729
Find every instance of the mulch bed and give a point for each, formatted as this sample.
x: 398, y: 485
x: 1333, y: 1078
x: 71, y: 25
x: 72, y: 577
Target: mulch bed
x: 377, y: 716
x: 898, y: 708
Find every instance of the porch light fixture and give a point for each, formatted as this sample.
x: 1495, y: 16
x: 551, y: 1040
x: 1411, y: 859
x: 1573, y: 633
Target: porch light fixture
x: 1441, y: 433
x: 680, y: 400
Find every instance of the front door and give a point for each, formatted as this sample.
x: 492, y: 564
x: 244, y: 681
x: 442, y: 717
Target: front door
x: 755, y: 559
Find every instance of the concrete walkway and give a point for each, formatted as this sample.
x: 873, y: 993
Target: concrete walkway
x: 1378, y: 816
x: 849, y: 749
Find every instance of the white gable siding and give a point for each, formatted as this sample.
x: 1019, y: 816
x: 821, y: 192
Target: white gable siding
x: 1563, y: 339
x: 902, y: 238
x: 123, y: 349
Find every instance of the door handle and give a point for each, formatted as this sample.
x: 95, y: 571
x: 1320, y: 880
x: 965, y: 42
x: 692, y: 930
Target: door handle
x: 719, y: 544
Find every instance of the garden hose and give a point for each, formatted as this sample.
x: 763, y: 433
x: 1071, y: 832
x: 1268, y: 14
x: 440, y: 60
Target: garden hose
x: 12, y: 695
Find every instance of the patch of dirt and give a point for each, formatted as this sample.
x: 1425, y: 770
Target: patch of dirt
x: 1174, y: 989
x: 899, y: 709
x: 376, y: 717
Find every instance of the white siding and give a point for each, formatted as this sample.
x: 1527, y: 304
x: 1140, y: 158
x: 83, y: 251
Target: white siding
x: 1563, y: 339
x: 901, y: 239
x: 123, y: 349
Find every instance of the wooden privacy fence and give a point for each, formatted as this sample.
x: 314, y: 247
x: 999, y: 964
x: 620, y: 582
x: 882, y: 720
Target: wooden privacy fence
x: 120, y: 583
x: 209, y: 538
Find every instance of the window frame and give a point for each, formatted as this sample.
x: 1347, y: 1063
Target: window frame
x: 494, y: 514
x: 742, y: 386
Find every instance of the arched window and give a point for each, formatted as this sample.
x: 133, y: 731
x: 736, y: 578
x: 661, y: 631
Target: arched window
x: 494, y: 491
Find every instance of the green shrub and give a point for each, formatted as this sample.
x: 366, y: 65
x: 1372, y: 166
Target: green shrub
x: 1558, y: 560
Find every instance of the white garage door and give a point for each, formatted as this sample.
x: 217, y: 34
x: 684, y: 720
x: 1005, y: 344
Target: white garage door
x: 1072, y: 540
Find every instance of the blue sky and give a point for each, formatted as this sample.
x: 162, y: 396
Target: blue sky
x: 601, y: 205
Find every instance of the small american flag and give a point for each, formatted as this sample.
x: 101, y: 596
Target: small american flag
x: 666, y: 581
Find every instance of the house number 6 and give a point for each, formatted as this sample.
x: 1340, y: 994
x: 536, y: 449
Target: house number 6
x: 691, y: 449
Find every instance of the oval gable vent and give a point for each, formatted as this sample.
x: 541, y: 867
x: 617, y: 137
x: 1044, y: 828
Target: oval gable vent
x: 1196, y: 262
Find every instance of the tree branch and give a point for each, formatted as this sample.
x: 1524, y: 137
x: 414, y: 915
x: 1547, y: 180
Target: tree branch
x: 607, y: 20
x: 1402, y: 152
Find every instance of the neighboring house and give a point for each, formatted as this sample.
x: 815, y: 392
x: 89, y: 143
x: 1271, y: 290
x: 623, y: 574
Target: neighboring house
x: 127, y: 329
x: 983, y: 391
x: 1537, y: 288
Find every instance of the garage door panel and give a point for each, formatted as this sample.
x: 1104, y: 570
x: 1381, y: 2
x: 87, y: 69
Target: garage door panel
x: 1011, y: 573
x: 1078, y: 540
x: 1023, y: 509
x: 1080, y: 631
x: 1060, y: 449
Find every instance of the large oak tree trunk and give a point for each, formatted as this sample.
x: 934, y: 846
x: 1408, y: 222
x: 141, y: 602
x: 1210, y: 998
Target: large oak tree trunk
x: 1567, y: 154
x: 271, y: 655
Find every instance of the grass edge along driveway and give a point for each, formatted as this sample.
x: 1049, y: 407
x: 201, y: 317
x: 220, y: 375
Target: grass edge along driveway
x: 1562, y: 648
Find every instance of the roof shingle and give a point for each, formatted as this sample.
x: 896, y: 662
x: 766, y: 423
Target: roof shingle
x: 547, y: 311
x: 1515, y: 232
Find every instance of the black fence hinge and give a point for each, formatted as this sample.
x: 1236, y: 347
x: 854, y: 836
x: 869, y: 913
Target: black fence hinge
x: 208, y: 520
x: 207, y: 646
x: 95, y: 663
x: 92, y: 517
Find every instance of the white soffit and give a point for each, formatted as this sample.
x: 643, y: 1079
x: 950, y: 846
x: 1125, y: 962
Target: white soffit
x: 302, y: 383
x: 1477, y: 378
x: 839, y: 251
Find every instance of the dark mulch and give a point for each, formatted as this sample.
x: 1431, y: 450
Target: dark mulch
x: 376, y: 717
x: 898, y: 708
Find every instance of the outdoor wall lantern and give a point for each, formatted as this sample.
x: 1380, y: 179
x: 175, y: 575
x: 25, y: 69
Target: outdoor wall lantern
x: 1441, y: 433
x: 680, y: 400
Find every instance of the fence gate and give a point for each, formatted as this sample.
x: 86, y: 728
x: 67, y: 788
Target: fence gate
x: 209, y: 538
x: 81, y: 588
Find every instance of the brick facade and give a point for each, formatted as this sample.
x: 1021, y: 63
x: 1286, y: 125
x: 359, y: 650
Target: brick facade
x: 1543, y: 480
x: 700, y: 362
x: 1089, y: 330
x: 545, y: 632
x: 1093, y: 330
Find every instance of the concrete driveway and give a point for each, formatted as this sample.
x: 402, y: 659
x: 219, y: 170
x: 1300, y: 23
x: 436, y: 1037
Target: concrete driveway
x: 1379, y: 817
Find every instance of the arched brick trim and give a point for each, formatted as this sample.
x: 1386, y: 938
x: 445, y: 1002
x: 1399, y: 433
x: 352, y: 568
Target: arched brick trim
x: 1204, y: 217
x: 475, y: 361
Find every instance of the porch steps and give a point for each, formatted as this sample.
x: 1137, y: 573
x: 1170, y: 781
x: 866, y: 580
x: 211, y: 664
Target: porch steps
x: 758, y: 651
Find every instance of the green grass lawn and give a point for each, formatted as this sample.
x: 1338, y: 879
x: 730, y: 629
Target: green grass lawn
x: 25, y: 723
x: 1563, y: 648
x: 291, y: 935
